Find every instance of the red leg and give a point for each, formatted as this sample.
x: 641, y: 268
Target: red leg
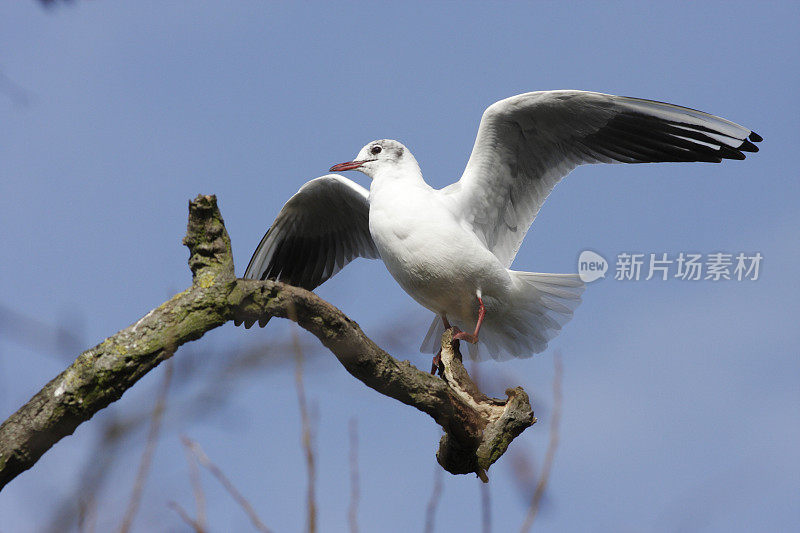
x: 437, y: 360
x: 473, y: 338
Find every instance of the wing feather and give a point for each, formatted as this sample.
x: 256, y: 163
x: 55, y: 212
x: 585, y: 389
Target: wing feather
x: 324, y: 226
x: 527, y: 143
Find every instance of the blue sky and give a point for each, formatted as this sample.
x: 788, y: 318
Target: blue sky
x: 681, y: 399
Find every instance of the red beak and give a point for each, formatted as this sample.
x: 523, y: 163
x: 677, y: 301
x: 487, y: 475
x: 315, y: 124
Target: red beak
x: 350, y: 165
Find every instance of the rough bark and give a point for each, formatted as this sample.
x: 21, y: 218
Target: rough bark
x: 477, y: 429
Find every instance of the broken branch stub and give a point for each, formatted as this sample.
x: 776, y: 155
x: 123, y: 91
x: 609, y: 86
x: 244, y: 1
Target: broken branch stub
x: 494, y: 422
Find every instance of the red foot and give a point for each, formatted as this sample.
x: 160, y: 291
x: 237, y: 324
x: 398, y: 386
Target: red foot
x: 472, y: 338
x: 459, y: 335
x: 464, y: 336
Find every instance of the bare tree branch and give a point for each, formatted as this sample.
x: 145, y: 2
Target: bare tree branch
x: 352, y: 510
x: 149, y: 450
x: 550, y: 454
x: 37, y: 334
x: 307, y: 437
x: 486, y: 508
x: 433, y: 502
x: 194, y: 524
x: 93, y: 476
x: 197, y: 489
x: 477, y: 429
x: 203, y: 459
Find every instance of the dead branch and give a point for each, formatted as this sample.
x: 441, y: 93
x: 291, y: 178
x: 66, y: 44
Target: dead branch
x: 201, y: 457
x: 486, y: 508
x: 188, y: 520
x: 352, y: 510
x: 550, y: 454
x: 307, y: 438
x: 197, y: 488
x: 149, y: 451
x: 433, y: 502
x: 477, y: 429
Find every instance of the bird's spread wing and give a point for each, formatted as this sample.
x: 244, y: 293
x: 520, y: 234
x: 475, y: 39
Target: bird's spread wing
x: 528, y: 142
x: 324, y: 226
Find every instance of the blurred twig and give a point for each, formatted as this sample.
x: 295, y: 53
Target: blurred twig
x: 100, y: 460
x: 523, y: 466
x: 194, y: 524
x: 149, y: 450
x: 15, y: 92
x: 37, y: 334
x: 486, y: 508
x: 433, y: 502
x: 549, y: 457
x: 202, y: 384
x: 307, y: 436
x: 51, y: 3
x: 203, y: 459
x: 87, y: 516
x: 352, y: 513
x: 197, y: 489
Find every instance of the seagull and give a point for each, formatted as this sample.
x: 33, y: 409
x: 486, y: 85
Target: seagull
x: 451, y: 249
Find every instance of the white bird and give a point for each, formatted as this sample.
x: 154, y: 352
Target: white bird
x: 450, y: 249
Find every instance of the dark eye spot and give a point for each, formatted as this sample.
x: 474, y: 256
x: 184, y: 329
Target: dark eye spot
x: 376, y: 149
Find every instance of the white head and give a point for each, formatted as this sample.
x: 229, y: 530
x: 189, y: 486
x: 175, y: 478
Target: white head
x: 382, y: 156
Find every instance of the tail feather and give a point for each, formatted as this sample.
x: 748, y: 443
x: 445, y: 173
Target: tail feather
x: 541, y: 306
x: 433, y: 339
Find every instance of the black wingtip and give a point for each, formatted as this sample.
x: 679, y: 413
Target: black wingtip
x: 237, y: 322
x: 747, y: 146
x: 755, y: 137
x: 263, y: 321
x: 729, y: 153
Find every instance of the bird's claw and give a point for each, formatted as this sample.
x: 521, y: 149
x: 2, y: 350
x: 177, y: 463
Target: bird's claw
x: 463, y: 336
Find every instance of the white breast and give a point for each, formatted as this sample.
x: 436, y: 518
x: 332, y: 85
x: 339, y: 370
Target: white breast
x: 428, y: 251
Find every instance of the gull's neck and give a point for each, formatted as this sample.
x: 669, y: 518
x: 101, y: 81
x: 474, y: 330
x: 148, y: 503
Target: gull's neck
x: 405, y: 171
